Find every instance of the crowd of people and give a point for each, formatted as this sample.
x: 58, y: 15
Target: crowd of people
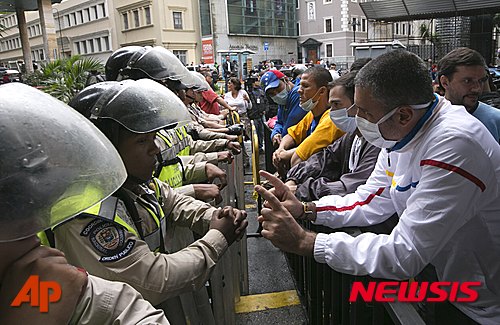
x: 104, y: 194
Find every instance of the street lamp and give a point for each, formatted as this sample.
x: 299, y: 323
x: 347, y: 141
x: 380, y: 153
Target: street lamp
x: 353, y: 22
x: 60, y: 31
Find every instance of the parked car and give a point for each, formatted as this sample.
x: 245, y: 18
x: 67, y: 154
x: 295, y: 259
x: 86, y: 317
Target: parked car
x: 9, y: 75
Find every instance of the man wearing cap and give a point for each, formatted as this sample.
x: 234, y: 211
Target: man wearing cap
x: 286, y: 95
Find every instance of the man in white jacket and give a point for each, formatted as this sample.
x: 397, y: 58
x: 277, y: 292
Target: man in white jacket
x: 439, y: 171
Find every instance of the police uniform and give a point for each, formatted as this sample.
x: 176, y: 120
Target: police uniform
x: 108, y: 243
x: 106, y: 302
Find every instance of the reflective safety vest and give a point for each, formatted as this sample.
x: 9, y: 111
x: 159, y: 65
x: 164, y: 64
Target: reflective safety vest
x: 106, y: 210
x: 169, y: 169
x: 184, y: 137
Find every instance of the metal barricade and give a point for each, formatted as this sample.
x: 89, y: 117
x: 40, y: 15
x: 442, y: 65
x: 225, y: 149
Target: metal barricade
x: 325, y: 293
x: 230, y: 278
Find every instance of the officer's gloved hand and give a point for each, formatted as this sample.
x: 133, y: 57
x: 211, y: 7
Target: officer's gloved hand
x: 235, y: 129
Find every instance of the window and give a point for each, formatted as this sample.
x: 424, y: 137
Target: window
x: 327, y: 1
x: 328, y: 25
x: 298, y: 28
x: 98, y: 43
x: 329, y: 50
x: 177, y: 20
x: 90, y: 46
x: 136, y: 18
x: 363, y: 24
x: 125, y: 21
x: 147, y: 14
x: 102, y: 9
x: 105, y: 39
x: 404, y: 29
x: 262, y: 17
x: 297, y: 4
x: 311, y: 10
x: 94, y: 10
x: 79, y: 17
x: 86, y: 15
x: 181, y: 55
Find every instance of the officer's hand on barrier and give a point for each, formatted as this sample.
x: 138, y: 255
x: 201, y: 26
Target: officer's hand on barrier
x: 225, y: 156
x: 234, y: 146
x: 284, y: 195
x: 235, y: 129
x: 230, y: 222
x: 213, y: 172
x: 207, y: 192
x: 54, y: 272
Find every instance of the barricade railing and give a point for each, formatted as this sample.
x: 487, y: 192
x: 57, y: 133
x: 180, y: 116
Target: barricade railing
x: 230, y: 278
x: 325, y: 293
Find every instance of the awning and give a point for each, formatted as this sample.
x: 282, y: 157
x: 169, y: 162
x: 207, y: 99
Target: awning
x: 28, y: 5
x: 405, y: 10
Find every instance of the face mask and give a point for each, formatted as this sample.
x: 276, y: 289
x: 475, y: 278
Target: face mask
x: 371, y: 131
x: 309, y: 105
x: 281, y: 97
x: 342, y: 120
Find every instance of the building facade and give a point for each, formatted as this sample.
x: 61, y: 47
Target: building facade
x: 96, y: 28
x: 263, y: 28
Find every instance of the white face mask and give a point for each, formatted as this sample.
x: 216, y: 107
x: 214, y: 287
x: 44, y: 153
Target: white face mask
x: 371, y: 131
x: 281, y: 97
x: 343, y: 121
x: 309, y: 105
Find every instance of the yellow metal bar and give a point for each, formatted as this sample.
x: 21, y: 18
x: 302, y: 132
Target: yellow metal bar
x: 248, y: 304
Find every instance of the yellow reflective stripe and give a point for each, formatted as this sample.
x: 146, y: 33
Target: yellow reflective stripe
x: 165, y: 139
x: 171, y: 175
x: 94, y: 210
x: 43, y: 238
x: 122, y: 223
x: 158, y: 196
x: 388, y: 173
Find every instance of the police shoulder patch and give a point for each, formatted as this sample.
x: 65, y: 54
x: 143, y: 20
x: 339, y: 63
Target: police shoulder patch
x: 108, y: 239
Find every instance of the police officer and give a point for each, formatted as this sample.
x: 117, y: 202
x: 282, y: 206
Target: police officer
x: 47, y: 176
x: 128, y: 236
x: 159, y: 64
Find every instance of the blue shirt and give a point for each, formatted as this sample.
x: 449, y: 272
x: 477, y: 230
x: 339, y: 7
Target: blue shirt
x: 490, y: 117
x: 289, y: 114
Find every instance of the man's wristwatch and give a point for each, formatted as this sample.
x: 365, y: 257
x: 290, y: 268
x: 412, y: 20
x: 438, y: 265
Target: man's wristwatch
x: 307, y: 212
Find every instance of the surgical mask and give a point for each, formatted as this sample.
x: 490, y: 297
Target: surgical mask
x: 309, y: 105
x: 371, y: 131
x: 343, y: 121
x: 281, y: 97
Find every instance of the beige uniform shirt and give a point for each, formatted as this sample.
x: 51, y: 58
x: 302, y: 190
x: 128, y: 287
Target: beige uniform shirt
x: 106, y: 302
x: 114, y: 253
x: 206, y: 134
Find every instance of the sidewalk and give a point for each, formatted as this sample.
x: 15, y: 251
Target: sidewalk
x: 272, y: 296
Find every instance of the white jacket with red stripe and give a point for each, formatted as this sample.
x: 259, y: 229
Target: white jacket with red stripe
x: 444, y: 184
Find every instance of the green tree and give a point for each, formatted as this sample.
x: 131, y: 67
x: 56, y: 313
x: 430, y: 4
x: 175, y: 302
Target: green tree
x: 427, y: 35
x: 64, y: 78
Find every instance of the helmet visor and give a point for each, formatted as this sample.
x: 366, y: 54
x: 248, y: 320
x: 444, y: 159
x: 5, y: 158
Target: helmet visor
x: 54, y: 163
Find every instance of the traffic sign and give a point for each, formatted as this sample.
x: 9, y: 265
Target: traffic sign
x: 266, y: 46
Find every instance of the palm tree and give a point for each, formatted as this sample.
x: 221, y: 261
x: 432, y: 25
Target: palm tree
x: 64, y: 78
